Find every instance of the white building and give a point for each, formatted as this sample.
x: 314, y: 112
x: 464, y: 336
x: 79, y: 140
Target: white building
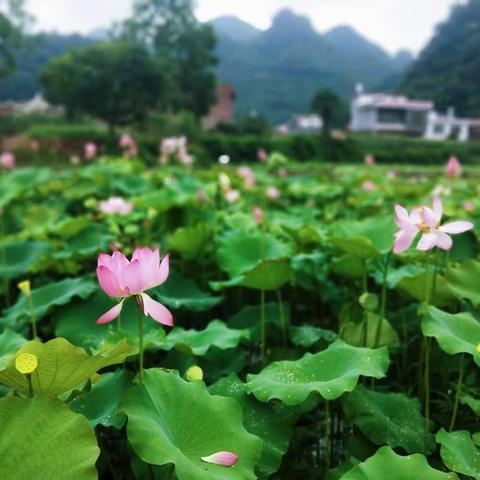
x: 388, y: 113
x: 309, y: 123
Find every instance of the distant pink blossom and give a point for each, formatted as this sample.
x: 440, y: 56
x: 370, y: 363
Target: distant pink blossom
x: 175, y: 147
x: 116, y: 206
x: 427, y: 222
x: 232, y: 196
x: 90, y: 150
x: 258, y: 215
x: 453, y: 167
x: 7, y: 160
x: 392, y: 174
x: 272, y: 193
x: 128, y: 145
x: 468, y: 206
x: 368, y: 186
x: 225, y: 459
x: 262, y: 155
x: 369, y: 159
x: 248, y: 177
x: 121, y: 278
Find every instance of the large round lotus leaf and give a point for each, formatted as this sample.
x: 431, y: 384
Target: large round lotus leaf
x: 463, y: 281
x: 46, y: 297
x: 190, y: 242
x: 174, y: 421
x: 100, y: 405
x: 459, y: 453
x: 41, y: 438
x: 268, y: 275
x: 10, y: 342
x: 386, y: 464
x: 61, y: 366
x: 455, y: 333
x: 21, y: 257
x: 388, y: 418
x: 306, y: 335
x: 239, y: 252
x: 217, y: 334
x: 359, y: 247
x: 261, y: 420
x: 180, y: 292
x: 21, y: 179
x: 77, y: 324
x: 472, y: 402
x: 416, y: 287
x: 331, y: 373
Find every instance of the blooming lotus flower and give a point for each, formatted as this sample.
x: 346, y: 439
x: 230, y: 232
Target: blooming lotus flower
x: 272, y: 193
x: 426, y: 221
x: 129, y: 146
x: 116, y: 206
x: 262, y: 155
x: 7, y: 160
x: 232, y: 196
x: 121, y: 278
x: 369, y: 159
x: 224, y: 159
x: 453, y: 167
x: 90, y: 150
x: 368, y: 186
x: 248, y: 177
x: 225, y: 459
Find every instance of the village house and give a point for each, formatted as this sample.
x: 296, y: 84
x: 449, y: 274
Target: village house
x: 223, y: 112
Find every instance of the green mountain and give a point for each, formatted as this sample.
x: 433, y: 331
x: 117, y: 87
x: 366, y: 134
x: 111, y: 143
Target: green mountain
x: 276, y: 72
x: 234, y: 28
x: 448, y: 69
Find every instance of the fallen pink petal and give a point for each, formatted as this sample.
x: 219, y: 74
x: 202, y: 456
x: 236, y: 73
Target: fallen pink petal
x: 225, y: 459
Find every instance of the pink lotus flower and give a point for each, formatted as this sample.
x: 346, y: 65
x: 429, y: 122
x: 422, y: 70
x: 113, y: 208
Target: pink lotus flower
x: 248, y: 177
x: 368, y: 186
x: 468, y: 206
x: 258, y: 215
x: 7, y: 160
x: 116, y: 206
x: 175, y: 147
x: 90, y: 150
x: 128, y: 145
x: 232, y: 196
x: 426, y: 221
x: 225, y: 459
x: 262, y: 155
x: 453, y: 167
x: 121, y: 278
x: 272, y: 193
x: 369, y: 159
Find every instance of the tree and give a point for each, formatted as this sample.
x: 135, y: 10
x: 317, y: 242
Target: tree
x: 12, y: 21
x: 182, y: 44
x: 113, y: 81
x: 330, y: 108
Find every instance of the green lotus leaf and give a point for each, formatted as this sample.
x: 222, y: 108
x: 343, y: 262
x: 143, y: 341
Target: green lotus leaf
x: 459, y: 453
x: 306, y: 336
x: 42, y: 438
x: 61, y: 366
x: 239, y: 252
x: 198, y: 342
x: 388, y: 418
x: 416, y: 287
x: 19, y: 180
x: 179, y: 292
x: 77, y: 324
x: 10, y: 342
x: 348, y: 266
x: 268, y: 275
x: 187, y: 423
x: 190, y: 242
x: 22, y: 257
x: 330, y: 372
x: 100, y: 405
x: 261, y: 420
x: 455, y: 333
x: 386, y: 464
x: 360, y: 247
x: 473, y: 403
x: 46, y: 297
x: 463, y: 281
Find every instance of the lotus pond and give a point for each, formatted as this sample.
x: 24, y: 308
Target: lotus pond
x: 230, y: 323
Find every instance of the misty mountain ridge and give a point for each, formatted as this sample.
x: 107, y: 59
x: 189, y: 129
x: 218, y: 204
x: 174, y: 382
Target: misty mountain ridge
x: 277, y: 71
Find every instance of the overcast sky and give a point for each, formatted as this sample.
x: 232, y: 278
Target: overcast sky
x: 394, y: 24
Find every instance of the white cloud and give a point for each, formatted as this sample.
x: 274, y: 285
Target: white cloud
x: 394, y: 24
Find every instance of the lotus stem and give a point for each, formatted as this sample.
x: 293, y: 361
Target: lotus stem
x: 140, y: 338
x: 33, y: 317
x: 263, y: 339
x: 457, y: 394
x: 383, y: 301
x: 282, y: 316
x: 328, y: 433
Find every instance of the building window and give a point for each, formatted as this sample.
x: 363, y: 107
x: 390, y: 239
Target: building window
x: 391, y: 115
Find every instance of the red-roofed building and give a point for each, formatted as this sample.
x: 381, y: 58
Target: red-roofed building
x: 224, y: 110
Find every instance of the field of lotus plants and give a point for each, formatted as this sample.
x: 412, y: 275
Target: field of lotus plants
x: 238, y: 322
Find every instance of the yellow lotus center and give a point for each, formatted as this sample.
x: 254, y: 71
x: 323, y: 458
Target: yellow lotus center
x: 26, y: 363
x: 194, y: 373
x: 478, y: 348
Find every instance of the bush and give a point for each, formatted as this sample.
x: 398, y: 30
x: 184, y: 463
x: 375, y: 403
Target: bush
x: 62, y: 131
